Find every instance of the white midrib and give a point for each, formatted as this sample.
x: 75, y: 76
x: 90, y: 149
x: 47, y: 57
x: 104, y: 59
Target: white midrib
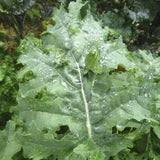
x: 88, y: 124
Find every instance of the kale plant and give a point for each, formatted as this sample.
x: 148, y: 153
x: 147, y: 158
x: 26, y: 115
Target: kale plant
x: 84, y: 96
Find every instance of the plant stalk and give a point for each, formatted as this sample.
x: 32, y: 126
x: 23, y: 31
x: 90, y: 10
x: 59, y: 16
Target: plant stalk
x: 88, y: 124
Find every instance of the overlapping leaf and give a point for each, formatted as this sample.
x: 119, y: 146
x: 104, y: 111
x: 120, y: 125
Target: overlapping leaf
x: 9, y: 143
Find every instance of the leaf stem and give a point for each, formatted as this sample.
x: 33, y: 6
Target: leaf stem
x: 88, y: 124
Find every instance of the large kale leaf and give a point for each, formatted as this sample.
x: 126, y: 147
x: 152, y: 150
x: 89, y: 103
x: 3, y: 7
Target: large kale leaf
x: 81, y: 95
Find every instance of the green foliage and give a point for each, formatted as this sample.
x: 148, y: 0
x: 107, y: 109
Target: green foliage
x: 84, y: 96
x: 26, y: 16
x: 13, y: 12
x: 2, y: 36
x: 118, y: 22
x: 8, y: 87
x: 16, y: 7
x: 136, y: 20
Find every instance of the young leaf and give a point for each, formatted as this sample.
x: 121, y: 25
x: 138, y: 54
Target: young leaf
x: 92, y: 62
